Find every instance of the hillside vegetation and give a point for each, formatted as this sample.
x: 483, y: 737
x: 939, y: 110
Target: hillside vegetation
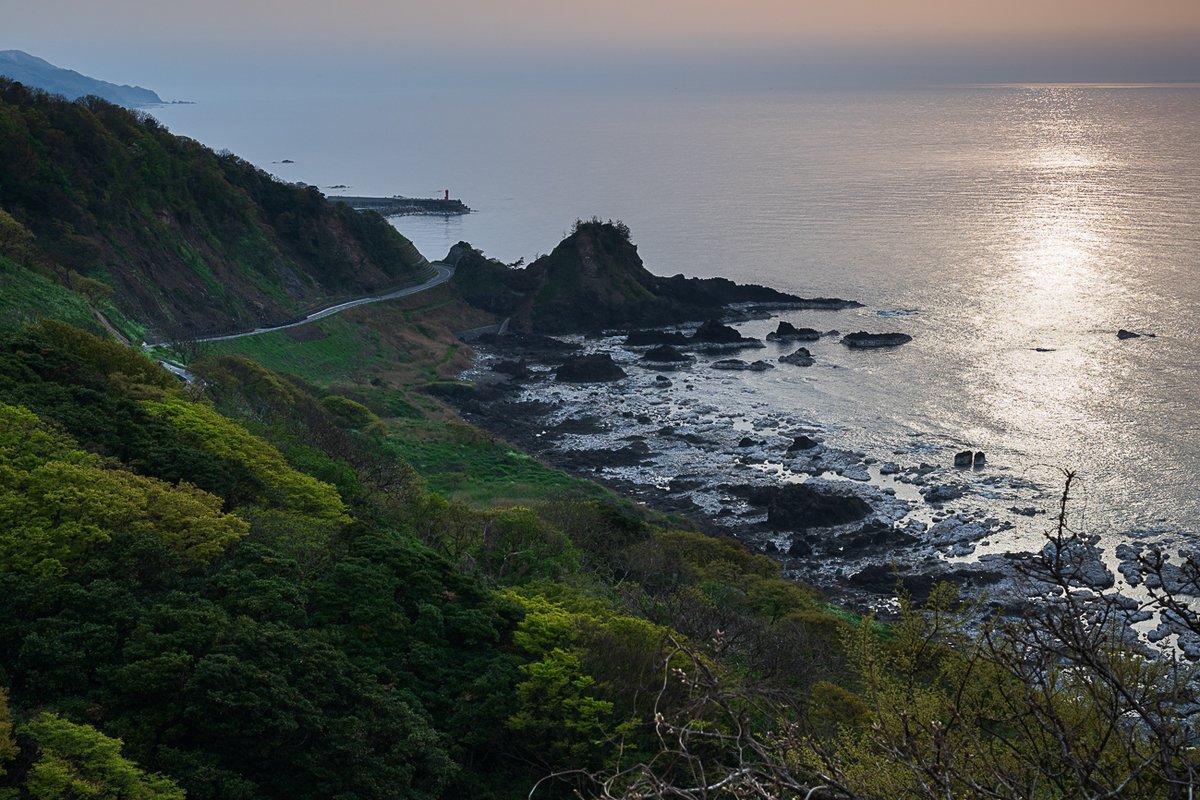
x: 183, y: 239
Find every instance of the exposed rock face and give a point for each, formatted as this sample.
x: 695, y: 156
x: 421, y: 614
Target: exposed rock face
x: 787, y: 332
x: 516, y: 369
x: 595, y: 280
x: 738, y: 364
x: 800, y: 358
x: 802, y: 443
x: 967, y: 458
x: 713, y: 332
x: 936, y: 495
x: 798, y: 507
x: 599, y: 368
x: 665, y: 354
x: 864, y: 340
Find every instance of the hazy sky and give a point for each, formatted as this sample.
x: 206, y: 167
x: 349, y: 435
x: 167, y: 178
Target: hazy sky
x: 1146, y: 36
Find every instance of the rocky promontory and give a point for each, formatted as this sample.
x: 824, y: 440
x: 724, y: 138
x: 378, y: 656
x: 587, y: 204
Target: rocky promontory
x: 594, y: 280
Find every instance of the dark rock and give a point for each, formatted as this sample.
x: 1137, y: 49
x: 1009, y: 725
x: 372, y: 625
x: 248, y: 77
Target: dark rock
x: 597, y: 368
x: 718, y: 336
x: 798, y: 507
x: 666, y: 354
x: 802, y: 442
x: 713, y: 332
x: 632, y: 455
x: 874, y: 535
x: 942, y: 494
x: 738, y: 364
x: 800, y: 548
x: 651, y: 338
x: 882, y: 579
x: 530, y: 344
x: 585, y: 424
x: 800, y: 358
x: 1124, y: 334
x: 980, y: 458
x: 747, y: 442
x: 787, y: 332
x: 516, y: 369
x: 964, y: 459
x: 864, y: 340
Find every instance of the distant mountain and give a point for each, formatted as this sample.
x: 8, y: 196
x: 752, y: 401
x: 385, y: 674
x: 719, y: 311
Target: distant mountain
x: 41, y: 74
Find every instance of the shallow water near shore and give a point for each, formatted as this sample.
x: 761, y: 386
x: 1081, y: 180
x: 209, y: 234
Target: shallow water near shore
x: 1010, y: 231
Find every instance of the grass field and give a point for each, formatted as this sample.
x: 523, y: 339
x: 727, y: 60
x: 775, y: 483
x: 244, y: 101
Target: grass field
x: 464, y: 463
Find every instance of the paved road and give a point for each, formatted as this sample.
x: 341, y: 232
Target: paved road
x: 443, y: 274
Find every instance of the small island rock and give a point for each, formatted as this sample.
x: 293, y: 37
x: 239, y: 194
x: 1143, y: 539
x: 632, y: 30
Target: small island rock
x: 597, y: 368
x: 787, y: 332
x: 800, y: 358
x: 864, y: 340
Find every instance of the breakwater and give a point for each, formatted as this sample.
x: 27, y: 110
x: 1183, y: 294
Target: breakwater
x: 403, y: 206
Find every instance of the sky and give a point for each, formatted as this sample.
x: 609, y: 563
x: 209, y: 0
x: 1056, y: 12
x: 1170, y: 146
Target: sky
x: 1017, y: 40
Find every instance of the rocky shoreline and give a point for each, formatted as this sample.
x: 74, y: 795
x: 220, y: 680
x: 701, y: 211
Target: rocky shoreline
x: 630, y: 412
x: 663, y: 419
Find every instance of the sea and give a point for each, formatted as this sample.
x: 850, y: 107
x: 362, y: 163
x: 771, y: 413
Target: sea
x: 1011, y: 230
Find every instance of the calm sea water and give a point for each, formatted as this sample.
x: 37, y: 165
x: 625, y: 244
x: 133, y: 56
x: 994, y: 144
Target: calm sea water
x: 999, y: 220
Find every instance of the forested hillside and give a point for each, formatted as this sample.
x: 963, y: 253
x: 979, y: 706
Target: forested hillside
x: 183, y: 239
x: 277, y: 607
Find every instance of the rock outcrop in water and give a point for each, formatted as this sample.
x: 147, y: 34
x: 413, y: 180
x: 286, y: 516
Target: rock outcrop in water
x: 738, y: 364
x: 599, y: 368
x: 595, y: 280
x: 800, y: 358
x: 787, y: 332
x: 863, y: 340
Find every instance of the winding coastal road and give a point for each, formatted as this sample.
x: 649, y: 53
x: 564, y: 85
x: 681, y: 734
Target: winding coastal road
x: 443, y: 274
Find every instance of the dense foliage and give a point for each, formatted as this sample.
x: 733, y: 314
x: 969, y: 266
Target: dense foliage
x: 277, y: 607
x: 107, y: 201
